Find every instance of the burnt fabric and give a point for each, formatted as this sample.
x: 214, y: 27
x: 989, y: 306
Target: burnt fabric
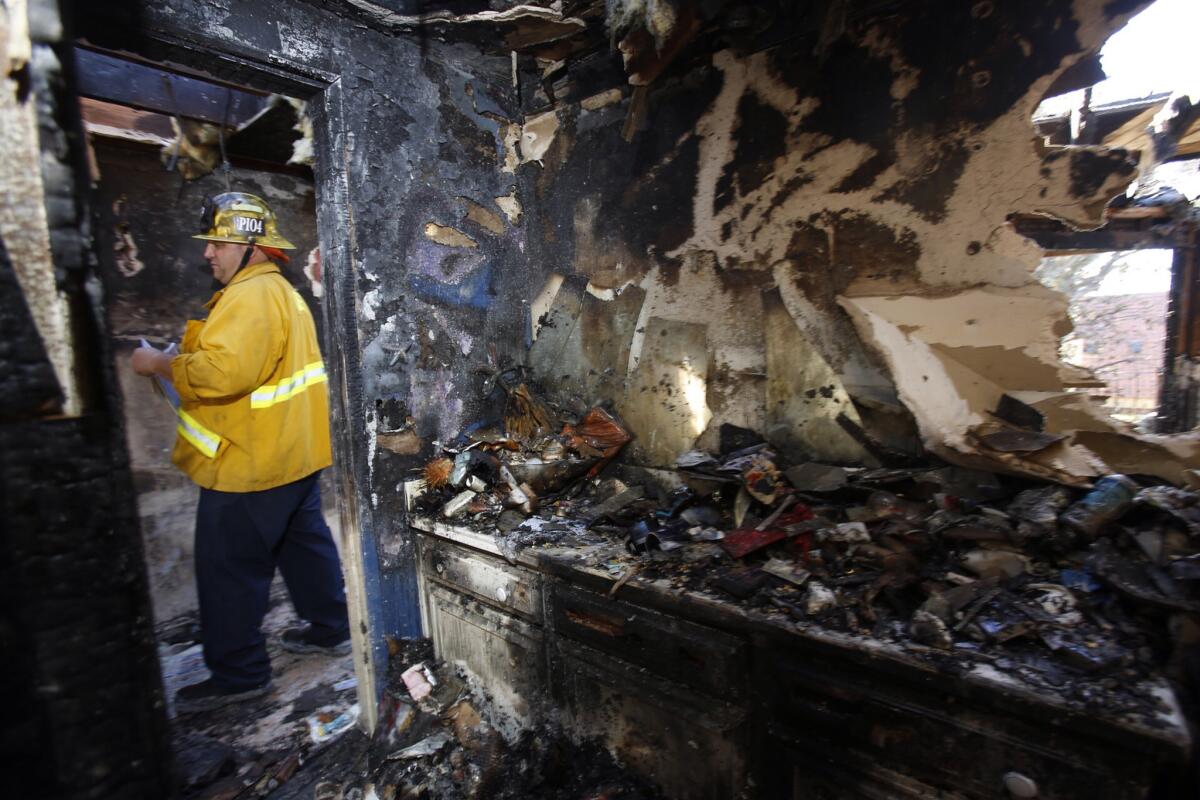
x: 241, y: 537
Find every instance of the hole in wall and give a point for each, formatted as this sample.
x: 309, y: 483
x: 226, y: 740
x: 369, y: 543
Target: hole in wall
x: 1118, y: 306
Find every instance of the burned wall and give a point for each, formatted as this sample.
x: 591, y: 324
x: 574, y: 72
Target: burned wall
x: 821, y: 234
x: 155, y: 279
x: 81, y: 677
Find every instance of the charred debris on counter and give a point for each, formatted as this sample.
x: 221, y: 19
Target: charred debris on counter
x: 1044, y: 582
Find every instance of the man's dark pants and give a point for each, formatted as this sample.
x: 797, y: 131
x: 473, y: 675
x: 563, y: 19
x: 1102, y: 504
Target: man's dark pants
x: 241, y: 537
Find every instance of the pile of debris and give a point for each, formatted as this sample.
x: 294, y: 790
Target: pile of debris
x: 1044, y: 582
x: 526, y: 467
x: 271, y: 746
x: 437, y: 736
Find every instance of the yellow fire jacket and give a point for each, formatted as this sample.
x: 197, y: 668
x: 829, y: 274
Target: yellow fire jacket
x: 254, y: 410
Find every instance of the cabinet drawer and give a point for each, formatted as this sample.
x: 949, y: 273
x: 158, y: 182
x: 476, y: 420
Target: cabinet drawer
x: 693, y: 655
x: 506, y: 654
x: 843, y: 711
x: 688, y: 744
x: 492, y: 580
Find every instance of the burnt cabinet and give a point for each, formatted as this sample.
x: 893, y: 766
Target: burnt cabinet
x: 689, y: 744
x: 851, y: 727
x: 681, y: 652
x: 711, y: 702
x: 663, y: 693
x: 485, y: 614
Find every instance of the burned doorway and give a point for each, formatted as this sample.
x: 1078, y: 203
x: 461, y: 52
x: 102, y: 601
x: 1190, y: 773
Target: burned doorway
x: 160, y: 141
x: 151, y: 171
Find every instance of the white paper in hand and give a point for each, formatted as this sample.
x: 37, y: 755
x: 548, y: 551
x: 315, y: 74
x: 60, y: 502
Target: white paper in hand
x: 164, y: 386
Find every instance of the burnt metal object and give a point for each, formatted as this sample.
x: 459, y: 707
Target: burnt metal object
x: 1107, y: 502
x: 1010, y: 409
x: 547, y: 477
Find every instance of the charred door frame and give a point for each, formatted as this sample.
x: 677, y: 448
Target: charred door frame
x: 1179, y: 399
x: 372, y: 619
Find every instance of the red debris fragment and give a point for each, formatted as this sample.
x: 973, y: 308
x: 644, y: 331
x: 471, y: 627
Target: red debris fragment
x: 795, y: 514
x: 746, y: 540
x: 599, y: 430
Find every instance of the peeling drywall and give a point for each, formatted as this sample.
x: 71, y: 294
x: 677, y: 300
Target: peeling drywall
x: 807, y: 409
x: 537, y: 135
x: 483, y: 217
x: 876, y: 215
x: 601, y: 100
x: 450, y: 237
x: 667, y: 399
x: 312, y: 271
x: 510, y: 205
x: 508, y: 22
x: 24, y: 225
x: 541, y: 304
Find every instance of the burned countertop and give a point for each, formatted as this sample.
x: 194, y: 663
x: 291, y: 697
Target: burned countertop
x: 1145, y: 711
x: 1018, y: 596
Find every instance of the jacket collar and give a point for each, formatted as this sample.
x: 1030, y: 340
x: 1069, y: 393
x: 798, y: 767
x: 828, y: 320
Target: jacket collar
x: 247, y: 272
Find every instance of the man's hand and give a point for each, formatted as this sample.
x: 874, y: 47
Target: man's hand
x: 148, y: 361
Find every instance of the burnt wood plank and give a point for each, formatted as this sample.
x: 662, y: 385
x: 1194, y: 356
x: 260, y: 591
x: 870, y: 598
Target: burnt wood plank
x: 129, y: 83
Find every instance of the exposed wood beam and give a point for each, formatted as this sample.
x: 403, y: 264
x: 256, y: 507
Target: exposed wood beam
x: 129, y: 83
x: 1122, y: 232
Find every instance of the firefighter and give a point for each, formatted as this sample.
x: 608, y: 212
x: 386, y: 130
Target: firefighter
x: 253, y: 433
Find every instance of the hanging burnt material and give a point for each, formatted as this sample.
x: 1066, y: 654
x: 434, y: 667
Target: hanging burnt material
x: 525, y: 416
x: 437, y: 472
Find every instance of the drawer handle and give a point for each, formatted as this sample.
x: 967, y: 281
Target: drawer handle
x: 1019, y: 785
x: 502, y: 594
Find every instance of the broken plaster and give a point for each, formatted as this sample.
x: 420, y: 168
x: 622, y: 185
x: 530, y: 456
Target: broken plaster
x: 450, y: 237
x: 510, y: 206
x: 734, y: 390
x: 606, y: 293
x: 483, y: 217
x: 540, y: 307
x: 370, y: 303
x: 603, y: 99
x: 126, y: 251
x: 948, y: 384
x: 537, y: 134
x: 1004, y: 164
x: 312, y: 271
